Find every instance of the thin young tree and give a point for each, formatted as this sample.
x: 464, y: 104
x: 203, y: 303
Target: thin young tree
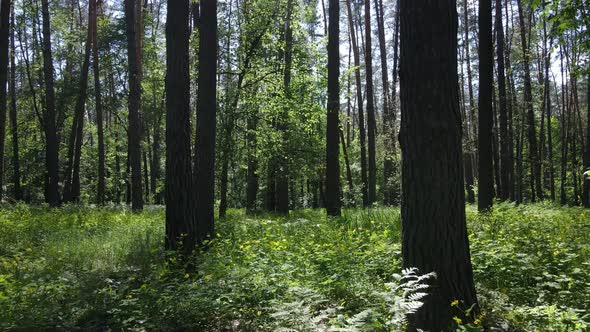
x: 17, y: 192
x: 371, y: 122
x: 100, y: 195
x: 434, y: 234
x: 4, y: 46
x: 206, y: 120
x: 133, y: 10
x: 333, y: 202
x: 49, y: 116
x: 586, y: 194
x: 503, y: 110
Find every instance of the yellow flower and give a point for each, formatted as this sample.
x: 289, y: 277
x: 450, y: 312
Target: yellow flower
x: 186, y: 276
x: 458, y: 320
x: 208, y: 277
x: 455, y: 303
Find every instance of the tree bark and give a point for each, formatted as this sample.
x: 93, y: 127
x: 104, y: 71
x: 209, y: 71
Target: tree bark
x: 433, y: 238
x: 252, y: 173
x: 586, y: 194
x: 52, y: 143
x: 206, y: 120
x: 133, y: 9
x: 486, y: 115
x: 181, y: 220
x: 4, y: 46
x: 504, y: 191
x: 547, y: 96
x: 333, y: 202
x: 371, y: 122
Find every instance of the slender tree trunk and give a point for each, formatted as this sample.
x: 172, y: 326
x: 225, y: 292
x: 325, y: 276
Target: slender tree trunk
x: 52, y: 144
x: 359, y: 97
x: 350, y: 198
x: 17, y: 192
x: 333, y: 202
x: 133, y: 9
x: 547, y: 96
x: 433, y: 239
x: 181, y: 220
x: 206, y: 120
x: 586, y: 194
x: 472, y: 107
x: 282, y: 175
x: 100, y: 195
x: 4, y: 46
x: 564, y: 132
x: 252, y: 173
x: 528, y: 100
x: 467, y: 153
x: 486, y: 115
x: 504, y: 191
x: 371, y: 122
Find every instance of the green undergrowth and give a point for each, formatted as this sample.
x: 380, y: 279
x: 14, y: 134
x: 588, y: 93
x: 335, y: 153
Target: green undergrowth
x: 82, y: 268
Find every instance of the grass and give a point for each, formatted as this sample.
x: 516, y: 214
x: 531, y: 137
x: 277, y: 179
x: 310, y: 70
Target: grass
x: 81, y: 268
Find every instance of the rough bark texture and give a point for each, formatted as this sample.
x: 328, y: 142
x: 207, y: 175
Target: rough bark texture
x: 486, y: 115
x: 206, y: 120
x: 180, y: 212
x: 359, y: 98
x: 133, y: 10
x: 371, y: 122
x: 333, y: 202
x: 52, y: 143
x: 13, y: 117
x: 434, y: 235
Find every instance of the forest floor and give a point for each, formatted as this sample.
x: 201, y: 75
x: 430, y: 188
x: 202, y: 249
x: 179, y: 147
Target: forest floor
x: 81, y: 268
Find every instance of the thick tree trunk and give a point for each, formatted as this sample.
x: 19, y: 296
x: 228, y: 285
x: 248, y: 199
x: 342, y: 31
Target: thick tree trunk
x: 17, y: 193
x: 433, y: 239
x: 537, y: 190
x: 206, y: 120
x: 181, y: 221
x: 133, y: 9
x: 371, y: 122
x: 486, y: 115
x: 100, y: 195
x: 52, y: 144
x: 333, y: 202
x: 359, y: 97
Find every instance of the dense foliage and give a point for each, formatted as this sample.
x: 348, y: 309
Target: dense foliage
x: 79, y: 268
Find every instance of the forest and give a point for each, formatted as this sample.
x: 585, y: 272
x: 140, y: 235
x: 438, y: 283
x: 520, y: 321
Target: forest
x: 295, y: 165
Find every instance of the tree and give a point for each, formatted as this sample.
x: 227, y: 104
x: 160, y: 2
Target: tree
x: 13, y: 116
x: 433, y: 239
x: 505, y: 163
x: 371, y: 123
x: 469, y: 119
x: 359, y: 98
x: 536, y: 188
x: 180, y: 211
x: 49, y: 117
x: 100, y: 195
x: 206, y: 120
x: 586, y: 194
x: 4, y: 33
x: 486, y: 115
x: 333, y: 202
x: 134, y: 23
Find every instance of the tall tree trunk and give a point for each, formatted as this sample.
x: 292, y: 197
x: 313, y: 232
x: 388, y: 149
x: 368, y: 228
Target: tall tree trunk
x: 282, y: 176
x: 564, y: 132
x: 504, y: 191
x: 528, y: 100
x: 586, y: 194
x: 252, y: 173
x: 181, y: 220
x: 17, y: 193
x: 333, y: 202
x: 486, y: 115
x: 133, y: 9
x: 433, y: 239
x: 206, y: 120
x: 547, y: 96
x: 472, y: 107
x: 350, y: 198
x: 52, y: 144
x: 72, y: 181
x: 371, y: 122
x: 4, y: 46
x: 100, y: 195
x: 359, y: 97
